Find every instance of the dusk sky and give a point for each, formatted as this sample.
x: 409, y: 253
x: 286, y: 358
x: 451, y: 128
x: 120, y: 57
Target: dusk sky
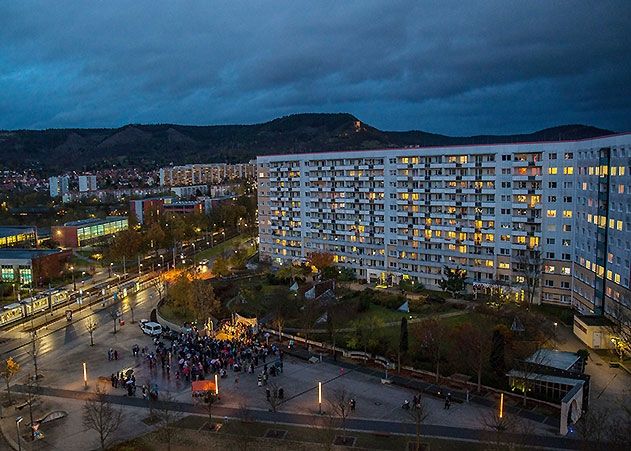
x: 453, y: 67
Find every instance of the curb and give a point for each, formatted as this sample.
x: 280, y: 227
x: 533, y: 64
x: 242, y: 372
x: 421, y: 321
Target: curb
x: 6, y: 435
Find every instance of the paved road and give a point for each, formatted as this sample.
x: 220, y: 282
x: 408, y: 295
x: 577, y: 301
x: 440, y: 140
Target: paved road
x: 357, y: 424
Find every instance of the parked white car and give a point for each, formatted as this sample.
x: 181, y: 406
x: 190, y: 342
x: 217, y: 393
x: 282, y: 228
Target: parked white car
x: 150, y: 328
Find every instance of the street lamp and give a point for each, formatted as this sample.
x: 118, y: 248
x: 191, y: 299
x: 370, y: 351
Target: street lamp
x: 320, y: 398
x: 85, y: 375
x: 193, y: 244
x: 110, y: 269
x: 18, y: 420
x: 216, y: 385
x: 74, y: 284
x: 501, y: 405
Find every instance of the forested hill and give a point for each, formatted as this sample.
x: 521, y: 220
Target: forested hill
x: 162, y: 144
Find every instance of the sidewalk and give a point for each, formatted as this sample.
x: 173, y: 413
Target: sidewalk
x: 428, y: 388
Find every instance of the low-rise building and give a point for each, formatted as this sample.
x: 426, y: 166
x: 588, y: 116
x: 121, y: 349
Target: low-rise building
x: 31, y: 266
x: 87, y: 231
x: 18, y: 236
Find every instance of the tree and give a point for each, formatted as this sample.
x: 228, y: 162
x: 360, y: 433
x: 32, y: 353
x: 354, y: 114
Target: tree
x: 403, y: 341
x: 31, y: 397
x: 340, y: 404
x: 403, y: 336
x: 499, y: 295
x: 432, y: 335
x: 206, y: 401
x: 159, y: 284
x: 155, y: 234
x: 497, y: 359
x: 620, y: 329
x: 205, y: 304
x: 90, y: 326
x: 529, y: 268
x: 100, y: 416
x: 220, y: 267
x: 114, y: 315
x: 321, y: 260
x: 473, y: 344
x: 454, y: 280
x: 528, y: 366
x: 34, y: 352
x: 168, y: 416
x: 418, y: 413
x: 272, y: 396
x: 365, y: 333
x: 9, y: 368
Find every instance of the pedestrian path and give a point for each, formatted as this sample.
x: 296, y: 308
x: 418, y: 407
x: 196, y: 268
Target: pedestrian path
x: 429, y: 388
x: 357, y: 424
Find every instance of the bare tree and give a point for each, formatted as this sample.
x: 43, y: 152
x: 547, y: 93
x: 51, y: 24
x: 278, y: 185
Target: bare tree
x: 473, y: 348
x: 527, y: 368
x: 100, y: 416
x: 159, y: 284
x: 114, y: 316
x: 340, y: 404
x: 418, y: 413
x: 499, y: 430
x: 206, y: 401
x: 91, y: 325
x: 31, y: 398
x: 273, y: 396
x: 168, y: 417
x: 432, y: 335
x: 594, y: 428
x: 34, y: 352
x: 529, y: 268
x: 620, y: 330
x: 325, y: 426
x: 9, y: 368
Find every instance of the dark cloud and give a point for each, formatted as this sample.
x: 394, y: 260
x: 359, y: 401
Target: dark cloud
x: 445, y: 66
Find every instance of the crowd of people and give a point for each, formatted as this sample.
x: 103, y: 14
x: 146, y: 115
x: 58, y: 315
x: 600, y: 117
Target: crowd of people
x: 193, y: 356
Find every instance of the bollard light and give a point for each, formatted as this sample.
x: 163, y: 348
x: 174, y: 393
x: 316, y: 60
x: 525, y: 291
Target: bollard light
x: 85, y: 374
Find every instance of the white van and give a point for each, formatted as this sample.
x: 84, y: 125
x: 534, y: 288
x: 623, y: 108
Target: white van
x: 150, y: 328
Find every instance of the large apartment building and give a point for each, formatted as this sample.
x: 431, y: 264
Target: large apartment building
x: 491, y: 209
x: 205, y: 174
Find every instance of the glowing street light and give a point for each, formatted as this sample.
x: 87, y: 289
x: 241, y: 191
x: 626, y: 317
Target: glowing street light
x: 85, y: 375
x: 216, y: 385
x: 320, y: 398
x: 501, y: 405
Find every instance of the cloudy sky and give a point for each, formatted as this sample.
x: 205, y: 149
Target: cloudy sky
x: 455, y: 67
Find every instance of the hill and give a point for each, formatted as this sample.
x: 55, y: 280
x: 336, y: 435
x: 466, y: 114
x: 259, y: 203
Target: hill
x: 162, y: 144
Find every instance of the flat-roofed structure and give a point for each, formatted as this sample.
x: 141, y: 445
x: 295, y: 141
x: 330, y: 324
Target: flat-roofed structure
x: 88, y: 231
x: 18, y: 236
x: 31, y: 266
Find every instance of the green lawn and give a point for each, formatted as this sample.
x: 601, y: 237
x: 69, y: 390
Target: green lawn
x: 232, y: 243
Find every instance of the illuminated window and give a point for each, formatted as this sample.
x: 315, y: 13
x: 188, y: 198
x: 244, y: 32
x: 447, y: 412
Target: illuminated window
x: 609, y: 274
x: 567, y: 213
x: 565, y: 270
x: 619, y: 225
x: 504, y: 265
x: 552, y: 171
x: 621, y: 170
x: 521, y: 240
x: 552, y: 213
x: 568, y: 170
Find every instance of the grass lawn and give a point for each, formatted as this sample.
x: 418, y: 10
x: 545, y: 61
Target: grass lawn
x: 564, y: 315
x: 221, y: 248
x: 236, y: 434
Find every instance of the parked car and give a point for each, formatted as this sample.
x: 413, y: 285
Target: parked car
x: 150, y: 328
